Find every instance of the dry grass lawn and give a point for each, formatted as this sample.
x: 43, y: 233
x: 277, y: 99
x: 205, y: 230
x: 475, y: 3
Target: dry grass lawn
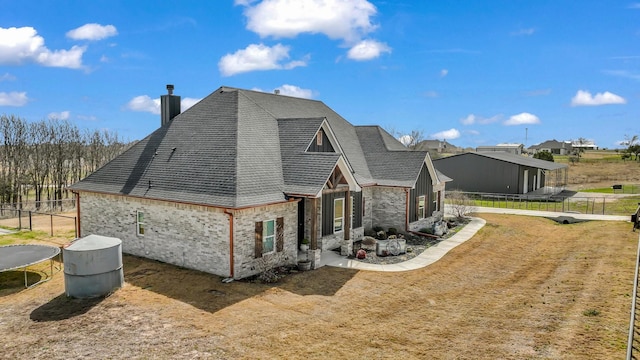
x: 522, y: 288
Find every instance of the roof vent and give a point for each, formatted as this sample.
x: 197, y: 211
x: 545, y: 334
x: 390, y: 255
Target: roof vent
x: 276, y: 91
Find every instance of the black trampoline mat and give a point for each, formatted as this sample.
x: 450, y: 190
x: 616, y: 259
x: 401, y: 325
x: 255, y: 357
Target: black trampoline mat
x: 18, y: 256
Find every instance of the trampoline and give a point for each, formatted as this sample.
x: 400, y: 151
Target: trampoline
x: 14, y: 257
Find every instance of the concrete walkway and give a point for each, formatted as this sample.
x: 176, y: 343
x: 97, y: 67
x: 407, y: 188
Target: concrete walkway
x: 427, y: 257
x: 435, y: 253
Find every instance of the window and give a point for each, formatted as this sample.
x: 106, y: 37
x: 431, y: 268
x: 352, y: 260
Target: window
x: 268, y: 236
x: 436, y: 201
x: 140, y: 223
x: 421, y: 203
x: 319, y: 138
x: 338, y: 215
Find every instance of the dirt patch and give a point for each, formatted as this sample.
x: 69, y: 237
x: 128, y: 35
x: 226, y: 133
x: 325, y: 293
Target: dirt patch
x: 519, y: 289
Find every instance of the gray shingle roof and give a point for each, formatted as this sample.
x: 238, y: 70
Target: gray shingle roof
x: 305, y: 173
x: 389, y: 162
x: 238, y: 148
x: 516, y: 159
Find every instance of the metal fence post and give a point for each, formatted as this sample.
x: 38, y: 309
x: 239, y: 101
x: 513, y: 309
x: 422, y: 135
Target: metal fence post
x: 19, y: 219
x: 51, y: 216
x: 30, y: 222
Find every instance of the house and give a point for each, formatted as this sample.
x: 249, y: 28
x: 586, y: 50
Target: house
x: 502, y: 173
x: 584, y: 144
x: 242, y: 177
x: 554, y: 147
x: 437, y: 146
x: 506, y: 147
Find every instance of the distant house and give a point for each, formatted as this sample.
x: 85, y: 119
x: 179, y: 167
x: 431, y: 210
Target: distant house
x: 554, y: 147
x: 438, y: 146
x: 584, y: 144
x: 242, y: 177
x: 515, y: 149
x: 503, y: 173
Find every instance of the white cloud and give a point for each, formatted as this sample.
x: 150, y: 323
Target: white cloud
x: 188, y: 102
x: 337, y: 19
x: 405, y: 139
x: 584, y: 98
x: 367, y: 50
x: 469, y: 120
x: 444, y: 72
x: 13, y: 98
x: 18, y: 45
x: 522, y: 119
x: 295, y: 91
x: 92, y: 32
x: 623, y: 73
x: 523, y: 32
x: 431, y: 94
x: 634, y: 6
x: 446, y: 134
x: 257, y: 57
x: 7, y: 77
x: 64, y: 115
x: 144, y: 103
x: 475, y: 119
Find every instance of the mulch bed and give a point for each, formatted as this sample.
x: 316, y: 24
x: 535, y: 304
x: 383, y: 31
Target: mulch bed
x: 415, y: 246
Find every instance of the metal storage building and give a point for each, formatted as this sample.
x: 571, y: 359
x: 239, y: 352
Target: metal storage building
x: 502, y: 173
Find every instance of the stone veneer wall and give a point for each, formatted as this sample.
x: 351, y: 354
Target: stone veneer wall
x: 389, y: 207
x: 367, y: 218
x: 191, y: 236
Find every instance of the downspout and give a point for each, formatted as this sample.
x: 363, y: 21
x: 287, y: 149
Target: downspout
x: 406, y: 212
x: 231, y: 265
x: 78, y: 235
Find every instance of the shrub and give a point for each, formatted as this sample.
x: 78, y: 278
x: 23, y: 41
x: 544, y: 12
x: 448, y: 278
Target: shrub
x: 461, y: 204
x: 377, y: 229
x: 392, y: 231
x: 370, y: 232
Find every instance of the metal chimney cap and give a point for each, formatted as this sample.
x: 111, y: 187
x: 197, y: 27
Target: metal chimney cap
x: 170, y: 89
x: 276, y: 91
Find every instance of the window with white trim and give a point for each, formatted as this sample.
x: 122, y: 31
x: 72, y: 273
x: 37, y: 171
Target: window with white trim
x: 436, y: 201
x: 338, y: 215
x: 421, y: 202
x: 140, y: 223
x: 319, y: 138
x: 268, y: 236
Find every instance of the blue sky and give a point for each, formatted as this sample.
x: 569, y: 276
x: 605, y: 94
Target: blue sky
x: 472, y: 72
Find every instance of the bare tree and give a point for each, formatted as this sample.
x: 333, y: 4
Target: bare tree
x: 460, y: 205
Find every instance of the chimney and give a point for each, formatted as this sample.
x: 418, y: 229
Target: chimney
x: 169, y: 106
x: 276, y: 91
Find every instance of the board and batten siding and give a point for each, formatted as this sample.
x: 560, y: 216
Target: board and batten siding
x: 476, y: 173
x: 423, y: 187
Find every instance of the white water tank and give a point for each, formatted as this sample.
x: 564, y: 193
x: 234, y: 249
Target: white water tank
x: 92, y: 266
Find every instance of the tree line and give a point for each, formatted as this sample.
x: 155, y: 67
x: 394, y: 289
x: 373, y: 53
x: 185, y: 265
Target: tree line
x: 38, y: 160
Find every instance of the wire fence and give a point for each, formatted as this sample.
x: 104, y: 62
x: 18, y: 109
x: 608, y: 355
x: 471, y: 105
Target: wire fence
x: 53, y: 224
x: 48, y: 206
x: 557, y: 203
